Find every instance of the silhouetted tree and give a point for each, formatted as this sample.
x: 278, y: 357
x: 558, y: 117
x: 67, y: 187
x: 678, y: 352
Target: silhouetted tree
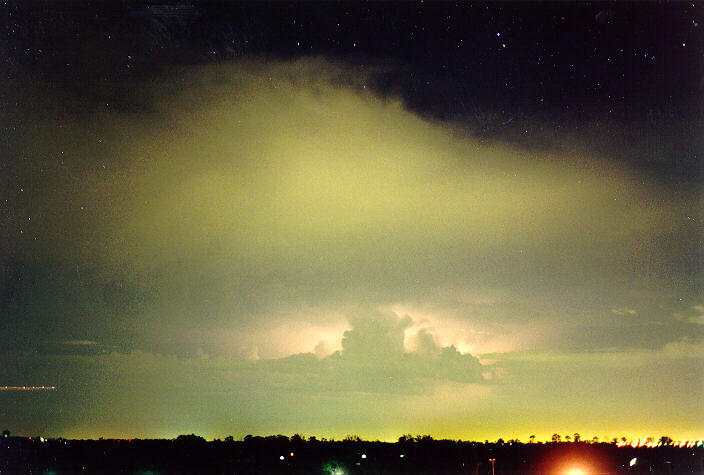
x: 423, y: 438
x: 568, y: 438
x: 665, y: 440
x: 556, y: 437
x: 595, y: 439
x: 229, y: 438
x: 531, y: 438
x: 577, y: 437
x: 190, y: 439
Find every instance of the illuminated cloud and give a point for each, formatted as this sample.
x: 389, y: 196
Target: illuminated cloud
x: 698, y: 318
x: 626, y: 311
x: 373, y: 359
x: 274, y: 231
x: 372, y: 366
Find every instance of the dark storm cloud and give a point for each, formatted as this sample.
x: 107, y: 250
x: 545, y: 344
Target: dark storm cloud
x: 629, y: 77
x: 190, y: 246
x: 46, y: 303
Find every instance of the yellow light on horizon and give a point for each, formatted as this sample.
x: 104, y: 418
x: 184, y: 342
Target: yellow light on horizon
x: 576, y: 471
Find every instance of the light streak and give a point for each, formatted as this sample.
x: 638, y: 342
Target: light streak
x: 659, y: 443
x: 27, y: 388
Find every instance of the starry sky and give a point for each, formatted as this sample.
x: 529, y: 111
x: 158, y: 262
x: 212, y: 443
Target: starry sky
x: 468, y: 220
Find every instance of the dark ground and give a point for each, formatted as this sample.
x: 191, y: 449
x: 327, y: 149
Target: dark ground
x: 192, y: 454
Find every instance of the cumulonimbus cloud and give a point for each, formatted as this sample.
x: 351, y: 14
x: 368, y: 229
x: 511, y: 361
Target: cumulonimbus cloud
x: 236, y: 195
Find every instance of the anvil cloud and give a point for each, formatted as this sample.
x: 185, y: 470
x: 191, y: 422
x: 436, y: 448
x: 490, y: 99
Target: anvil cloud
x: 290, y: 234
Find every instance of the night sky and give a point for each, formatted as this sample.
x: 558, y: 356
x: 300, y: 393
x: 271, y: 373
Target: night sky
x: 468, y: 220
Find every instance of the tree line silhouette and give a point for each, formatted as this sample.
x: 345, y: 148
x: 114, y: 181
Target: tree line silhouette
x: 190, y: 453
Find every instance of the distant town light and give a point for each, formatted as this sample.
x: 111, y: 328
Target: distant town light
x: 364, y: 456
x: 576, y: 471
x: 633, y: 461
x: 281, y: 458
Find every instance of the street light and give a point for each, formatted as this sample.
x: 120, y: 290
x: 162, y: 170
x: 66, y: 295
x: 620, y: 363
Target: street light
x: 492, y: 465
